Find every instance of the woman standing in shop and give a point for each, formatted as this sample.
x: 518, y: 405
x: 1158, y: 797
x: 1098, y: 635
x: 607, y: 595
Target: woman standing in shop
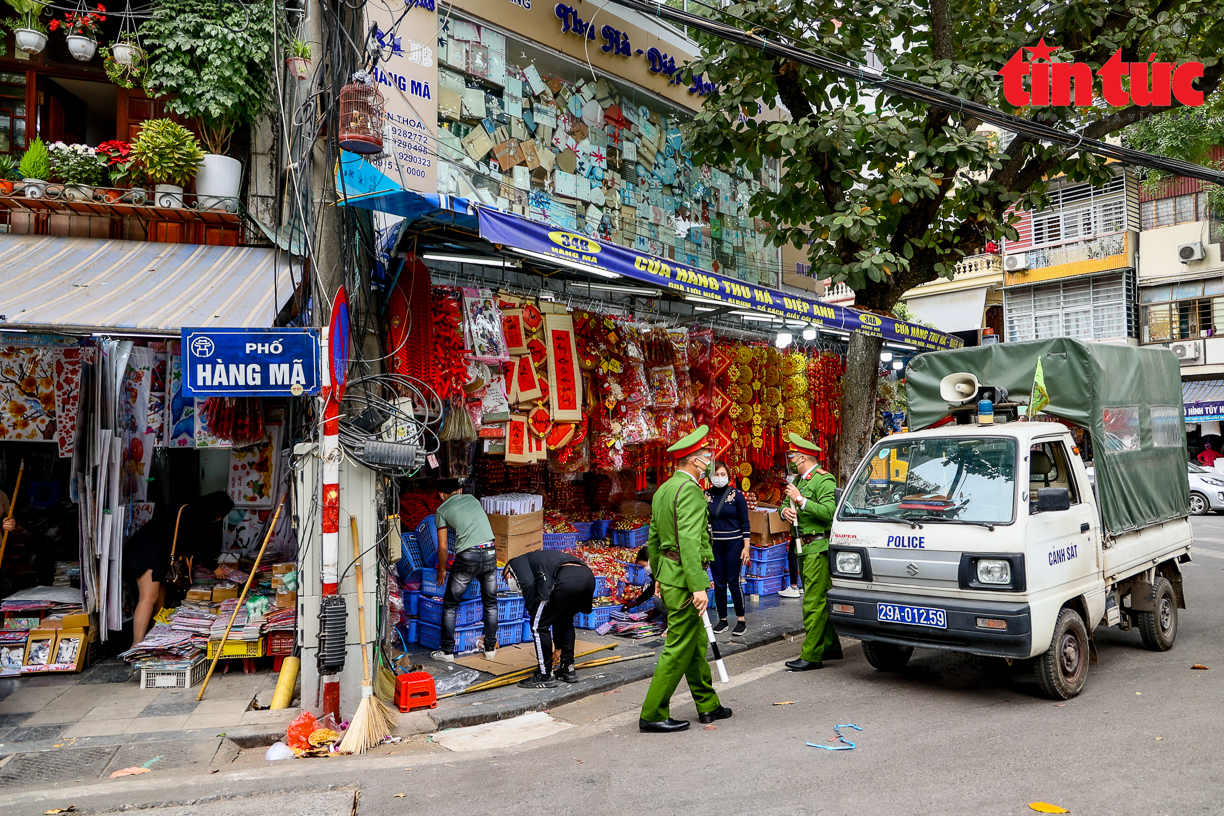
x: 730, y: 539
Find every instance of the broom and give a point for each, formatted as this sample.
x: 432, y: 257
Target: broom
x: 373, y: 720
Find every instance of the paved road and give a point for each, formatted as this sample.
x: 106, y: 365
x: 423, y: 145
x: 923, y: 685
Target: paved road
x: 950, y: 735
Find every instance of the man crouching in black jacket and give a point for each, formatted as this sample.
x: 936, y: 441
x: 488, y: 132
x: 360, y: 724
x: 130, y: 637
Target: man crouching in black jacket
x: 555, y: 586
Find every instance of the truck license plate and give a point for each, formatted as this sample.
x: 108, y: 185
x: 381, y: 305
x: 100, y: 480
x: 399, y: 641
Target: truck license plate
x: 913, y: 615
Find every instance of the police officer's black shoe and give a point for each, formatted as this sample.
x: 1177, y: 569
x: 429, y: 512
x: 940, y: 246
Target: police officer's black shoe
x: 720, y: 713
x: 800, y: 664
x: 567, y: 673
x: 665, y: 727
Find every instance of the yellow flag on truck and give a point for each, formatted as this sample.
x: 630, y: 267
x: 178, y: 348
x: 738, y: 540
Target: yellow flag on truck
x: 1040, y: 398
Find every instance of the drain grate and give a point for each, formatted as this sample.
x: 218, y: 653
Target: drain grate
x: 67, y: 765
x: 173, y: 755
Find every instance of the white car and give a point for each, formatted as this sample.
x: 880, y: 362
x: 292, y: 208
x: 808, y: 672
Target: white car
x: 1206, y: 488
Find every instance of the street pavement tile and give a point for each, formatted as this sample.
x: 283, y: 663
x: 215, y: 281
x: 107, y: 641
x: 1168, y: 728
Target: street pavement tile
x: 58, y: 715
x: 235, y: 707
x: 167, y: 736
x: 169, y: 708
x: 108, y: 672
x: 48, y: 680
x: 14, y: 718
x: 34, y: 733
x: 27, y: 699
x: 264, y: 717
x: 146, y: 725
x: 211, y: 722
x: 165, y: 756
x: 115, y: 710
x: 98, y: 728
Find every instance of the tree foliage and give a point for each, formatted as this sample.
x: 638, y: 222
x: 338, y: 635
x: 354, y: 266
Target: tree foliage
x: 892, y: 192
x: 213, y: 59
x: 1190, y: 134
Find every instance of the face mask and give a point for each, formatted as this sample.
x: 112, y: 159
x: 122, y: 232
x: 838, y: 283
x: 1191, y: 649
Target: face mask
x: 792, y: 466
x: 513, y: 582
x: 703, y: 465
x: 720, y: 481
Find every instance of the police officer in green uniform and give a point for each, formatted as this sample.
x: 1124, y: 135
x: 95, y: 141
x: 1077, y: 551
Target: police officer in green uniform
x: 809, y: 505
x: 679, y: 547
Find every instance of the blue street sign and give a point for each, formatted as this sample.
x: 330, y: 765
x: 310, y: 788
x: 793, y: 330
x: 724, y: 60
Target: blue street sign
x: 250, y: 362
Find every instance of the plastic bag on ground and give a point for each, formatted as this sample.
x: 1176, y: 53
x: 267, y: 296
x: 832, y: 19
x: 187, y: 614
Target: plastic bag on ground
x: 455, y: 681
x: 300, y: 730
x: 277, y: 751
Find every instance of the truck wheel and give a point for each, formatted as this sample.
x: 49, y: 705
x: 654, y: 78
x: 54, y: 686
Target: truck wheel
x: 887, y: 657
x: 1159, y: 628
x: 1063, y: 669
x: 1199, y: 506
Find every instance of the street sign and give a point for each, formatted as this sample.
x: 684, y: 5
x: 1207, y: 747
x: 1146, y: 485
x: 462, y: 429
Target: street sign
x: 250, y: 362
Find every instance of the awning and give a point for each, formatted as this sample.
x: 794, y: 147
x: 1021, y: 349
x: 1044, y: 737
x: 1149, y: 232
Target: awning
x: 1204, y: 400
x: 613, y: 260
x: 361, y: 184
x: 53, y: 283
x: 951, y: 311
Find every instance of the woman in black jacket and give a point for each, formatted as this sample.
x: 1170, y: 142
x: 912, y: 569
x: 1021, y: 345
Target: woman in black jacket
x: 730, y: 539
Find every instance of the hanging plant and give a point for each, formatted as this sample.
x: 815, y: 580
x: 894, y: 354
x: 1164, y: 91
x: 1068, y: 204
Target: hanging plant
x: 29, y: 31
x: 130, y: 72
x: 299, y: 59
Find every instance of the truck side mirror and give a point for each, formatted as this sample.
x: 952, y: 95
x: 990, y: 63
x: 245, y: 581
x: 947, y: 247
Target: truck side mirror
x: 1053, y: 499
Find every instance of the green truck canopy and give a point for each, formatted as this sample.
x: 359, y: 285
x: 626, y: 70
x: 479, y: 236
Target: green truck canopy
x: 1129, y: 399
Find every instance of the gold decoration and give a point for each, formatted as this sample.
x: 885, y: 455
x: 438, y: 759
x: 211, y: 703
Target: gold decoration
x: 743, y: 355
x: 745, y: 375
x: 745, y: 485
x: 745, y: 469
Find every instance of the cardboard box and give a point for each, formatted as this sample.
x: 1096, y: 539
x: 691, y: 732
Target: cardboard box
x: 199, y: 594
x: 517, y: 525
x: 771, y: 522
x: 286, y: 600
x: 511, y: 546
x: 224, y: 593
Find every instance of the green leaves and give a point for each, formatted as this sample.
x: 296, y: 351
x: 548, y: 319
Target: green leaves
x: 168, y: 152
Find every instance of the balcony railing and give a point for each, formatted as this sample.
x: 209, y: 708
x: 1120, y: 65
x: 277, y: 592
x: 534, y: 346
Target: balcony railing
x: 1093, y: 249
x: 984, y: 264
x: 837, y: 291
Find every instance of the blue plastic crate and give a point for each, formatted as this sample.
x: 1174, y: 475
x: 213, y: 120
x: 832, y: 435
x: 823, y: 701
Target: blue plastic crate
x: 600, y: 530
x: 410, y: 549
x: 467, y: 638
x: 602, y: 588
x: 510, y: 607
x: 560, y: 541
x: 598, y: 617
x: 766, y: 586
x: 431, y: 587
x: 466, y: 614
x: 412, y: 601
x: 774, y: 553
x: 635, y: 575
x: 409, y: 631
x: 527, y: 636
x: 427, y: 541
x: 631, y: 538
x: 583, y: 529
x: 766, y: 569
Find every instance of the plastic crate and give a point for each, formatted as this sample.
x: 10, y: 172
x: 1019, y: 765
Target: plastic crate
x: 430, y: 586
x: 184, y: 678
x: 600, y: 530
x: 598, y: 617
x: 412, y: 602
x: 410, y: 548
x: 409, y: 631
x: 467, y: 613
x: 766, y: 586
x: 774, y: 553
x: 427, y: 541
x: 236, y: 649
x: 510, y: 607
x: 467, y: 638
x: 631, y: 538
x: 583, y: 529
x: 766, y: 569
x: 527, y: 635
x: 281, y: 643
x: 602, y: 588
x: 560, y: 541
x: 635, y: 575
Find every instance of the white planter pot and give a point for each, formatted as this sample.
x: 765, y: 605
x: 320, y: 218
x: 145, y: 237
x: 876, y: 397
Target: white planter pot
x: 78, y: 192
x: 124, y: 54
x: 217, y: 183
x: 83, y: 48
x: 169, y: 196
x: 34, y: 188
x: 299, y: 67
x: 30, y: 40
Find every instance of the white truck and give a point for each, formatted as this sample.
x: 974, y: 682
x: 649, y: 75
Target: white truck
x: 990, y: 538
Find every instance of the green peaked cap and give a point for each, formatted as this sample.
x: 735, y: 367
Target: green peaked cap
x: 798, y: 443
x: 691, y: 443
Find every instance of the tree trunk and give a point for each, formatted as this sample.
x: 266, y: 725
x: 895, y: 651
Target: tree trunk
x: 860, y: 387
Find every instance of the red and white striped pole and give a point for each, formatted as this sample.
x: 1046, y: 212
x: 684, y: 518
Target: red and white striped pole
x: 336, y: 343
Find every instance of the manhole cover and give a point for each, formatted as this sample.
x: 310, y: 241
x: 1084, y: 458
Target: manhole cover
x: 66, y: 765
x: 164, y: 755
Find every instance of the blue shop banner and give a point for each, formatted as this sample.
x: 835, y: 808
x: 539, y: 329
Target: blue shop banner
x: 251, y: 362
x: 1204, y: 412
x: 520, y: 233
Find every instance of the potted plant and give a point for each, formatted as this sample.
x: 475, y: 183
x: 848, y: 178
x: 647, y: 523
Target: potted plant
x: 126, y: 64
x: 29, y: 31
x: 35, y: 169
x: 81, y: 29
x: 126, y: 50
x: 299, y: 59
x: 211, y: 62
x: 78, y: 167
x: 123, y: 169
x: 170, y: 155
x: 8, y: 173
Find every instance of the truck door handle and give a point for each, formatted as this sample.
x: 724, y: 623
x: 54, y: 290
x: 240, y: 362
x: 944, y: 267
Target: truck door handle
x: 1084, y: 527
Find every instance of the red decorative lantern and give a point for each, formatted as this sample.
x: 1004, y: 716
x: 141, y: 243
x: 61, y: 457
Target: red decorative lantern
x: 361, y: 118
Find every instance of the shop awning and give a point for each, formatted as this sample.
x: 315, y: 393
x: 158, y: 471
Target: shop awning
x: 1204, y: 400
x: 951, y: 311
x: 54, y: 283
x: 613, y: 260
x: 361, y: 184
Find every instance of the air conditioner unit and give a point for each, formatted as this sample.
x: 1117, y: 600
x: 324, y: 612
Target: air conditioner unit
x: 1016, y: 263
x: 1190, y: 252
x: 1187, y: 351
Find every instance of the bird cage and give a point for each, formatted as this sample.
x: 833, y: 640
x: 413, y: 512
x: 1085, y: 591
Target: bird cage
x: 361, y: 118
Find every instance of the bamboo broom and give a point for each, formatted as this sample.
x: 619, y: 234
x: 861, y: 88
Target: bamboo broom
x: 373, y: 720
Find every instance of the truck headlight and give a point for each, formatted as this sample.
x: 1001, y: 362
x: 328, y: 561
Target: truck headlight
x: 849, y: 563
x: 993, y: 571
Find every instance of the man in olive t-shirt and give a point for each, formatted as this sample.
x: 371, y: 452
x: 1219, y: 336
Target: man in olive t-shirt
x: 461, y: 518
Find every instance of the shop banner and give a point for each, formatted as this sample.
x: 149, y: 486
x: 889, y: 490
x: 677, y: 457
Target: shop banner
x: 1204, y: 412
x: 509, y: 230
x: 250, y: 362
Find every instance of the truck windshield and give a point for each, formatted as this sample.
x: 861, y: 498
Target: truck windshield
x: 938, y: 479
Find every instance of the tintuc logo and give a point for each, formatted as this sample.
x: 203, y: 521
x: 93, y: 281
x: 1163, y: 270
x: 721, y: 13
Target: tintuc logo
x: 1151, y: 83
x: 575, y: 243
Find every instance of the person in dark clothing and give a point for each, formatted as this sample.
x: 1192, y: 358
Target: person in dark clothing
x: 555, y: 586
x: 730, y: 538
x: 147, y: 554
x: 658, y: 610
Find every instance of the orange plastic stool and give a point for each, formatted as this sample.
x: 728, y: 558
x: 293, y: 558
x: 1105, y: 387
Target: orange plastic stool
x: 415, y: 690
